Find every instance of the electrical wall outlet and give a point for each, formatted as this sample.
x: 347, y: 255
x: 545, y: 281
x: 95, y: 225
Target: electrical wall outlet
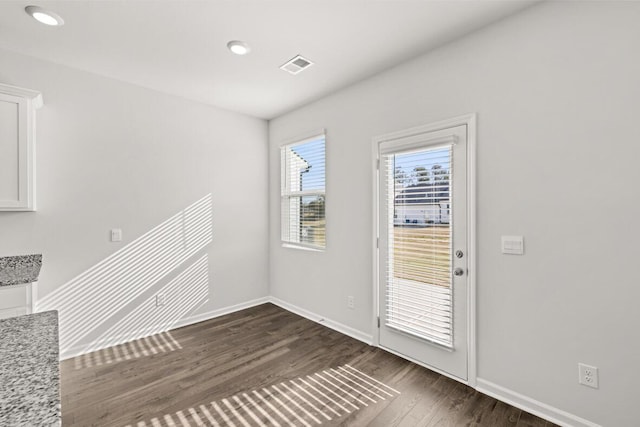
x: 588, y: 375
x: 351, y: 302
x: 159, y: 300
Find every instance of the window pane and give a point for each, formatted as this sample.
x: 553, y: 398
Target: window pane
x: 419, y: 298
x: 312, y: 229
x: 308, y: 166
x: 303, y: 192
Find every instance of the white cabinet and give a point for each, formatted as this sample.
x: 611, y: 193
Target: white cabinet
x: 17, y: 300
x: 17, y: 147
x: 18, y: 284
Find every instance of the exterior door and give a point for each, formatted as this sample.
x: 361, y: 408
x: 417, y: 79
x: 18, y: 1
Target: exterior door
x: 422, y: 255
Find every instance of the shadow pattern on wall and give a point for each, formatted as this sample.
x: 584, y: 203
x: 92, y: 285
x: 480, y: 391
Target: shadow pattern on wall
x: 106, y: 304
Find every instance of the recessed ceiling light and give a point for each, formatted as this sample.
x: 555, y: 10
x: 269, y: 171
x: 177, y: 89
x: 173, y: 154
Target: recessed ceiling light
x: 238, y: 47
x: 44, y: 16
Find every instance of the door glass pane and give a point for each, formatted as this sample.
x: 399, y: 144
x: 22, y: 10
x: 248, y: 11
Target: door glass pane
x: 418, y: 288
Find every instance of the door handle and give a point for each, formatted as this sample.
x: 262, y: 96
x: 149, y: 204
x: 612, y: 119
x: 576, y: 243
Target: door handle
x: 458, y: 272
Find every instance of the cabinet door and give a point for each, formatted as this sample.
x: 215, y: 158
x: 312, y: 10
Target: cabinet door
x: 17, y: 148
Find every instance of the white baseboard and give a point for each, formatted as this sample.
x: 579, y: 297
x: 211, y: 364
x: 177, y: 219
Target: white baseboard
x: 220, y: 312
x: 337, y: 326
x: 116, y: 340
x: 533, y: 406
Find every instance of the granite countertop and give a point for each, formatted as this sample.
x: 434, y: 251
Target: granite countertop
x: 29, y: 370
x: 16, y: 270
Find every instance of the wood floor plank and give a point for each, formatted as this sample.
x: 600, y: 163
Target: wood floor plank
x: 529, y: 420
x: 265, y: 366
x: 476, y: 411
x: 501, y: 414
x: 448, y: 410
x: 433, y: 396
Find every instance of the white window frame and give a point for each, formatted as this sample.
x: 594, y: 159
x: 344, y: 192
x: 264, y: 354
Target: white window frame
x: 287, y: 192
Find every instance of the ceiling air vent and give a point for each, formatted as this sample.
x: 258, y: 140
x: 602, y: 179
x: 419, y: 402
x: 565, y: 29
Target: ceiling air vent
x: 296, y: 64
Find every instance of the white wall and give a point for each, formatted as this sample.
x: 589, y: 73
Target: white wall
x: 556, y: 90
x: 114, y: 155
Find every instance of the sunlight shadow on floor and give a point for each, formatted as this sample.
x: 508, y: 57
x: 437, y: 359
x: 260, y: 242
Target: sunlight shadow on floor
x: 163, y: 342
x: 307, y: 400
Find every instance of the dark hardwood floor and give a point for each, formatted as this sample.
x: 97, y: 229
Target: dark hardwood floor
x: 265, y: 366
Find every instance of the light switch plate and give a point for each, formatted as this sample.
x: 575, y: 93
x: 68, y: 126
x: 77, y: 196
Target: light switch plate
x: 116, y: 235
x: 513, y: 245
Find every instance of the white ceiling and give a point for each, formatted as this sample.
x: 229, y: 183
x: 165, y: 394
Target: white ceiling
x: 179, y: 46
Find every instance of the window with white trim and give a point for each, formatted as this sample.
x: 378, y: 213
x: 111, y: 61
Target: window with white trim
x: 302, y: 184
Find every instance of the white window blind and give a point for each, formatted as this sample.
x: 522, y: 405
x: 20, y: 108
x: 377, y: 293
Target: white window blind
x: 418, y: 276
x: 303, y: 192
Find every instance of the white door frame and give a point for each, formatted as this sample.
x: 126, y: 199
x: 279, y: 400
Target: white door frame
x: 470, y: 121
